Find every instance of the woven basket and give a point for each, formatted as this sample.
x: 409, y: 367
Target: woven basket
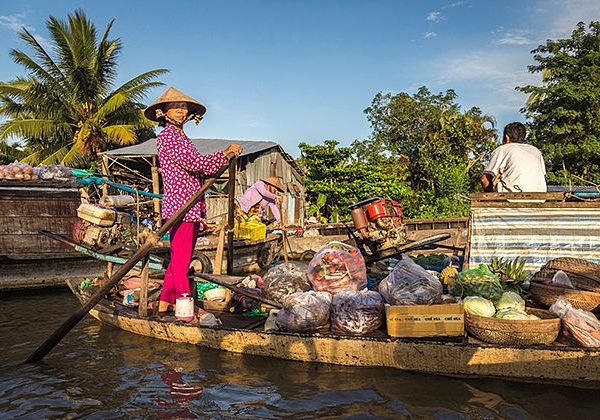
x: 580, y: 299
x: 575, y: 266
x: 515, y: 332
x: 210, y: 305
x: 580, y: 281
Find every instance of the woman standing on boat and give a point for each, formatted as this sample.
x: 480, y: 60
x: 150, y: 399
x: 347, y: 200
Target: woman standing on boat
x: 183, y: 170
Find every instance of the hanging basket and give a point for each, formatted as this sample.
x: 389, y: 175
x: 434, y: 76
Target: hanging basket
x: 515, y: 332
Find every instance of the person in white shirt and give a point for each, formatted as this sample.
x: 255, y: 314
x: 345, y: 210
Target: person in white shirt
x: 515, y: 166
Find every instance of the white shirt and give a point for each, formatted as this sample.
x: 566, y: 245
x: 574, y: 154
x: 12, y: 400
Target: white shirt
x: 521, y: 168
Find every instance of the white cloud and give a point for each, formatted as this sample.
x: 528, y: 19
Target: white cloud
x: 434, y: 17
x: 510, y: 39
x: 428, y: 35
x: 13, y: 22
x: 453, y: 5
x: 567, y: 13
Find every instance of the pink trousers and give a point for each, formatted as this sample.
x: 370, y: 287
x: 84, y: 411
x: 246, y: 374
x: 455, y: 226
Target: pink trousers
x: 183, y: 239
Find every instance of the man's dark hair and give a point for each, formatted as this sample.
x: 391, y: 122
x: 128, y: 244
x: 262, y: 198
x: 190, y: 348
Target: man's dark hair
x: 516, y: 131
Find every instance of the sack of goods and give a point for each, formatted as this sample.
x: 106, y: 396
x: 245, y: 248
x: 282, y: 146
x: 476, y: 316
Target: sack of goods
x: 336, y: 268
x: 304, y: 311
x: 283, y: 280
x: 580, y: 326
x: 410, y: 284
x: 357, y: 312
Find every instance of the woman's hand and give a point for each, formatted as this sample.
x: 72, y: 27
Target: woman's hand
x: 233, y: 150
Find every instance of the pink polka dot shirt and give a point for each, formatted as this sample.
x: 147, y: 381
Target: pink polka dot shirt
x: 183, y: 171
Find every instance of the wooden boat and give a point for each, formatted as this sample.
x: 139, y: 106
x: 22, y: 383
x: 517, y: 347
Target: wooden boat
x: 572, y: 366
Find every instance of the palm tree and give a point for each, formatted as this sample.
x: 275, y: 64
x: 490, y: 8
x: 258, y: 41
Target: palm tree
x: 66, y: 109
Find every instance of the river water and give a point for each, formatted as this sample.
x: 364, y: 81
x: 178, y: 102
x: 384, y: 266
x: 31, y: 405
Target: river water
x: 102, y: 372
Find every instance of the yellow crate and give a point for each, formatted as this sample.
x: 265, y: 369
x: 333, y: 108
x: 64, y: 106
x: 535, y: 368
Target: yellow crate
x: 250, y: 230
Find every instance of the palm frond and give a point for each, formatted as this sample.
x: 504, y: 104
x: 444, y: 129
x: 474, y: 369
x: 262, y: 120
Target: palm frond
x: 120, y: 134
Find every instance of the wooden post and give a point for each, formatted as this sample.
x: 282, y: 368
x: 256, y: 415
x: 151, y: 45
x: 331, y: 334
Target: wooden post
x: 143, y: 306
x: 156, y: 190
x: 105, y: 171
x: 231, y: 214
x: 218, y: 266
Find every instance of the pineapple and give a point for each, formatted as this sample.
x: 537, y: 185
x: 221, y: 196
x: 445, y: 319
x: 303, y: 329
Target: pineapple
x: 448, y: 275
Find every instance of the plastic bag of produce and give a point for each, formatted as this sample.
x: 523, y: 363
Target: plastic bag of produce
x: 580, y: 326
x: 512, y: 313
x: 478, y: 281
x: 18, y: 171
x: 357, y: 312
x: 304, y: 311
x: 284, y: 279
x: 510, y: 300
x: 478, y: 305
x: 410, y: 284
x: 336, y: 268
x: 57, y: 172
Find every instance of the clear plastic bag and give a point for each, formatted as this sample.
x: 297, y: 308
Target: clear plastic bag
x: 357, y: 312
x: 581, y: 326
x: 336, y: 268
x: 410, y: 284
x: 561, y: 279
x: 283, y: 280
x: 304, y: 311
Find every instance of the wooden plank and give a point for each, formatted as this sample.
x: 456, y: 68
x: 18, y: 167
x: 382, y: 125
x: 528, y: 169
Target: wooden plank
x: 495, y: 196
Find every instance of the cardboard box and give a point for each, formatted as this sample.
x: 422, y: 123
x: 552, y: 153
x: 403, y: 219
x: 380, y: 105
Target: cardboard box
x: 425, y: 320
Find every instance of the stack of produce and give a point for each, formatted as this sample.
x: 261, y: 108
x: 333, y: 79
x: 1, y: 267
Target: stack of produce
x: 509, y: 306
x: 18, y: 171
x: 580, y: 326
x: 283, y: 280
x: 336, y: 268
x: 356, y: 312
x: 410, y: 284
x: 478, y: 281
x: 304, y: 311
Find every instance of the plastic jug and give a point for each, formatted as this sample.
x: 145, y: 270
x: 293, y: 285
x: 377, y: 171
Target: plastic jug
x: 184, y: 308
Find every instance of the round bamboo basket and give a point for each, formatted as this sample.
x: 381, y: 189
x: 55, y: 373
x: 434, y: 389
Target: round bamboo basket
x: 219, y: 306
x: 515, y: 332
x: 573, y: 264
x: 580, y: 299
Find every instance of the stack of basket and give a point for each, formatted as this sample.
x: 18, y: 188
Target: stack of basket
x: 584, y: 275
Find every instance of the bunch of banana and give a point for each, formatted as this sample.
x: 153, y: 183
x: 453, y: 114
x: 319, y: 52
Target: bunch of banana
x: 509, y: 271
x: 448, y: 275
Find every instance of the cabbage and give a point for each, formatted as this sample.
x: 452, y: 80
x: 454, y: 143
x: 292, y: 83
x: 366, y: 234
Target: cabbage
x: 512, y: 313
x: 510, y: 300
x: 478, y: 305
x: 532, y: 316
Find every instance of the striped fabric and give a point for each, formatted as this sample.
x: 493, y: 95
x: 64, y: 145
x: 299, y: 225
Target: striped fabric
x: 538, y: 234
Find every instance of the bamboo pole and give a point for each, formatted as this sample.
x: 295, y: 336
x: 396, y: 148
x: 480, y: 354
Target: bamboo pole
x: 143, y: 306
x: 105, y: 171
x: 58, y: 335
x: 231, y: 215
x: 218, y: 266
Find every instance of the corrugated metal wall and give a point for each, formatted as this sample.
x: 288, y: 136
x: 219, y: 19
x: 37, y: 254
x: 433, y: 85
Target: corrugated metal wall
x: 538, y: 234
x: 253, y: 168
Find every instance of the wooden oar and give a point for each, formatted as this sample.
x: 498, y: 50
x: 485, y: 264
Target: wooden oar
x: 55, y: 338
x: 217, y: 280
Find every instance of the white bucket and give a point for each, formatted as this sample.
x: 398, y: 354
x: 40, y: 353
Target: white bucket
x: 184, y: 308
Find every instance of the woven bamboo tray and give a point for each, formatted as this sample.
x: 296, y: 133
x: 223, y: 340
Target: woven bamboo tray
x: 515, y: 332
x: 580, y: 299
x: 580, y: 281
x: 574, y: 265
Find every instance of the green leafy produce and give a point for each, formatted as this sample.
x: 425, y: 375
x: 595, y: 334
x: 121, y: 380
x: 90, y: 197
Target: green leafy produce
x: 477, y: 305
x: 510, y: 300
x: 478, y: 281
x: 512, y: 313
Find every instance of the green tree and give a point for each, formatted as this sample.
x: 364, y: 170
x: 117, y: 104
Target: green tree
x: 66, y: 109
x: 336, y: 178
x: 441, y: 146
x: 564, y: 111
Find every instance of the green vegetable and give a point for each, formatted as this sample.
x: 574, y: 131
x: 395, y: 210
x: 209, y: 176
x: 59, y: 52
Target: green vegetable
x: 512, y: 313
x: 510, y: 300
x: 478, y: 281
x: 477, y: 305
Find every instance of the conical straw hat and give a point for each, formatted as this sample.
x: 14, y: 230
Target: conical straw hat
x: 274, y: 181
x: 155, y: 111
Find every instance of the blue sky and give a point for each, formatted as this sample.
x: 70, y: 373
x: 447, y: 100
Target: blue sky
x: 293, y: 71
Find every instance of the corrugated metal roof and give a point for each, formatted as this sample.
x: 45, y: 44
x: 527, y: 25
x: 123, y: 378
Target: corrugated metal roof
x: 148, y: 148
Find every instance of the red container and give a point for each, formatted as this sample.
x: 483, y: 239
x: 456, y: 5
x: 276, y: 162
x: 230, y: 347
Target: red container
x: 376, y: 210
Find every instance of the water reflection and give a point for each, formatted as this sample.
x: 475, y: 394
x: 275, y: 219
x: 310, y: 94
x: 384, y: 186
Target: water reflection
x: 99, y: 372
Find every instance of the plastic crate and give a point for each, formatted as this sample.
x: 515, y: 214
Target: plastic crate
x: 250, y: 230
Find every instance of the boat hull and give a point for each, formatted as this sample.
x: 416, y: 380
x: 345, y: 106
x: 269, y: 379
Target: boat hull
x: 563, y: 365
